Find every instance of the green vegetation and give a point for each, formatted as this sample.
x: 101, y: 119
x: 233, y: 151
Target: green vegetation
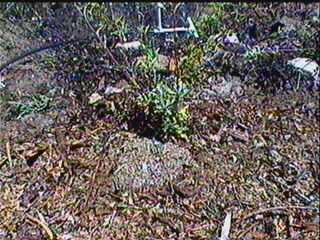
x: 212, y: 23
x: 253, y: 54
x: 167, y: 105
x: 190, y: 65
x: 147, y: 64
x: 30, y: 104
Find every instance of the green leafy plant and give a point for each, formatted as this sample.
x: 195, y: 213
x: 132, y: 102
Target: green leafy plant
x: 144, y: 30
x: 147, y: 64
x: 95, y: 16
x: 34, y: 103
x: 254, y: 54
x: 165, y: 103
x: 98, y: 17
x: 121, y: 29
x: 190, y: 64
x: 211, y: 23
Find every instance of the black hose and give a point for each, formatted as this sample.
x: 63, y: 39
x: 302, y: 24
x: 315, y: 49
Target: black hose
x: 40, y: 49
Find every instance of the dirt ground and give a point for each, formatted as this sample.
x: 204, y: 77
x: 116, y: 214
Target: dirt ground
x: 68, y: 173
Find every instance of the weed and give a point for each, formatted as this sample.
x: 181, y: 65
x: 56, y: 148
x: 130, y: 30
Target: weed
x: 212, y: 23
x: 144, y: 30
x: 34, y: 103
x: 96, y: 18
x: 121, y: 29
x: 7, y: 45
x: 190, y: 65
x: 166, y: 104
x: 148, y: 63
x: 253, y: 54
x: 48, y: 62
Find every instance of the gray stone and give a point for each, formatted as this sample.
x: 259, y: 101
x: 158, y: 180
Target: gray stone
x: 129, y: 45
x: 2, y: 84
x: 230, y: 88
x: 307, y: 65
x: 142, y: 163
x: 112, y: 90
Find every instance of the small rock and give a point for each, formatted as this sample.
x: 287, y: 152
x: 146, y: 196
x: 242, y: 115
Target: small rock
x: 307, y: 65
x: 142, y: 162
x: 37, y: 120
x: 224, y: 89
x: 112, y: 90
x: 129, y: 45
x: 2, y: 85
x: 275, y: 155
x: 3, y: 234
x: 94, y: 98
x: 287, y: 137
x: 315, y: 19
x: 233, y: 39
x: 162, y: 61
x: 67, y: 236
x: 290, y: 23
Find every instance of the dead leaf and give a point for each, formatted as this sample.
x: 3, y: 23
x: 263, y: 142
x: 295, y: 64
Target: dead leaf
x: 41, y: 223
x: 76, y: 144
x: 32, y: 155
x: 173, y: 64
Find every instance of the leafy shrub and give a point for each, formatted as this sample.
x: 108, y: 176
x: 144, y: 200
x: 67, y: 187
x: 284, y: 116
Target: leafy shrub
x: 32, y: 104
x: 147, y: 65
x: 121, y: 29
x: 254, y: 54
x: 211, y: 23
x: 95, y: 16
x: 165, y: 104
x: 190, y: 64
x: 99, y: 18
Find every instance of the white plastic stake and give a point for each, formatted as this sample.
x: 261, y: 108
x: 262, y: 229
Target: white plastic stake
x: 160, y: 29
